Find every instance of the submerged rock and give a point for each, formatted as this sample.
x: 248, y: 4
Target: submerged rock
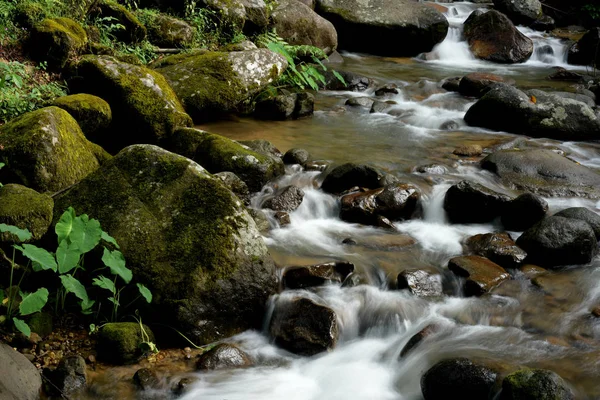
x: 287, y: 200
x: 317, y: 275
x: 421, y: 282
x: 185, y: 236
x: 524, y: 211
x: 556, y: 241
x: 469, y: 202
x: 24, y: 208
x: 223, y: 356
x: 543, y: 172
x: 458, y: 378
x: 69, y: 377
x: 535, y: 384
x: 581, y: 213
x: 385, y: 27
x: 482, y: 275
x: 497, y: 247
x: 303, y: 327
x: 146, y: 379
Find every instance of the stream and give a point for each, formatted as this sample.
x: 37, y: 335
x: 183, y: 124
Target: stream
x: 518, y: 324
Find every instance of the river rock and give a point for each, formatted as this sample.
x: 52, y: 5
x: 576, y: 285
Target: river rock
x: 421, y: 282
x: 303, y: 327
x: 476, y: 84
x: 385, y: 27
x: 493, y: 37
x: 316, y: 275
x: 91, y: 113
x: 235, y: 184
x: 468, y: 150
x: 146, y: 379
x: 257, y: 16
x: 588, y: 100
x: 524, y: 211
x: 214, y: 83
x: 497, y: 247
x: 556, y: 241
x: 536, y: 114
x: 349, y: 175
x: 285, y: 106
x: 288, y: 199
x: 24, y: 208
x: 545, y: 23
x: 451, y: 84
x: 390, y: 88
x: 351, y: 81
x: 296, y: 156
x: 520, y: 12
x: 263, y: 147
x: 585, y: 51
x: 543, y: 172
x: 364, y: 102
x: 415, y: 340
x: 69, y: 377
x: 469, y: 202
x: 481, y: 274
x: 132, y: 30
x: 185, y: 236
x: 298, y: 24
x: 581, y: 213
x: 535, y: 384
x: 56, y: 40
x: 144, y: 107
x: 223, y: 356
x: 282, y: 218
x: 169, y: 32
x: 19, y: 378
x: 119, y: 342
x: 458, y: 378
x: 45, y: 150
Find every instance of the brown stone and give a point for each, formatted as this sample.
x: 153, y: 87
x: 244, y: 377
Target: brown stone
x: 223, y: 356
x: 418, y: 338
x: 468, y: 150
x: 596, y: 312
x: 421, y: 282
x: 498, y: 247
x: 481, y: 274
x: 477, y: 84
x: 316, y: 275
x: 531, y: 271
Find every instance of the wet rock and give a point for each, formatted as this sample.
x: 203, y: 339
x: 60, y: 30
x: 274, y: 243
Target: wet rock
x: 303, y: 327
x: 282, y: 218
x: 352, y: 82
x: 556, y: 241
x: 421, y: 282
x: 385, y: 27
x: 481, y: 274
x: 585, y: 51
x: 562, y: 74
x: 260, y: 219
x: 20, y: 379
x: 216, y: 277
x: 390, y: 88
x: 546, y: 50
x: 298, y: 24
x: 394, y: 202
x: 458, y: 378
x: 450, y: 125
x: 146, y: 379
x: 498, y: 248
x: 535, y: 384
x: 477, y: 84
x: 118, y: 342
x: 288, y: 199
x: 531, y: 271
x: 316, y: 275
x: 524, y: 211
x: 583, y: 214
x: 69, y: 377
x: 305, y: 105
x: 468, y: 150
x: 235, y: 184
x: 576, y: 96
x: 349, y: 241
x: 183, y: 386
x: 365, y: 102
x: 91, y: 113
x: 349, y: 175
x: 223, y: 356
x: 493, y: 37
x: 55, y: 41
x: 452, y: 84
x: 543, y: 172
x: 520, y: 12
x: 596, y: 312
x: 381, y: 106
x: 536, y: 114
x: 24, y: 208
x: 319, y: 165
x: 469, y: 202
x: 545, y: 23
x: 296, y: 156
x: 263, y: 147
x: 418, y: 338
x: 285, y: 106
x: 434, y: 169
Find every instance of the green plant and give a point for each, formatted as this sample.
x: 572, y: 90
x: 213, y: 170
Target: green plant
x: 146, y: 345
x: 210, y: 29
x: 593, y: 10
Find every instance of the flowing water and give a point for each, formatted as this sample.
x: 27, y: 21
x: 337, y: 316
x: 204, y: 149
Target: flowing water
x: 518, y: 324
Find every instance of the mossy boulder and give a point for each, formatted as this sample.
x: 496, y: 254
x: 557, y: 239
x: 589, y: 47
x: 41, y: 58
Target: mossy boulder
x: 56, y: 40
x: 231, y: 14
x: 26, y: 209
x: 46, y: 151
x: 215, y: 83
x: 185, y: 236
x: 257, y: 16
x: 144, y: 107
x: 119, y: 342
x: 133, y: 31
x: 27, y: 14
x: 91, y: 113
x: 535, y: 384
x: 298, y: 24
x: 167, y: 31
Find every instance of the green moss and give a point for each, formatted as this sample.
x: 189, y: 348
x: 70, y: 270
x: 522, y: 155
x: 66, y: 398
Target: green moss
x: 185, y: 141
x: 41, y: 323
x: 537, y: 384
x: 56, y: 40
x: 118, y: 343
x: 25, y: 208
x: 45, y: 150
x: 91, y: 113
x: 27, y: 14
x: 133, y: 32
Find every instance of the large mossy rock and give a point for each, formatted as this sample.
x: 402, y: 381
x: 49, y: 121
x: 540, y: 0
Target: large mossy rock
x: 298, y: 24
x: 26, y: 209
x: 257, y: 15
x: 144, y: 107
x: 167, y: 31
x: 543, y: 172
x: 132, y: 29
x: 385, y: 27
x: 19, y: 379
x: 91, y: 113
x: 458, y: 378
x: 46, y: 151
x: 56, y: 40
x: 520, y: 12
x: 119, y: 342
x: 493, y: 37
x: 535, y: 384
x: 185, y: 236
x: 535, y: 113
x: 214, y: 83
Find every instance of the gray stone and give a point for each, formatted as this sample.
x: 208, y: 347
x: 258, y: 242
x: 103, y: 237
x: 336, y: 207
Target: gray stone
x: 19, y: 378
